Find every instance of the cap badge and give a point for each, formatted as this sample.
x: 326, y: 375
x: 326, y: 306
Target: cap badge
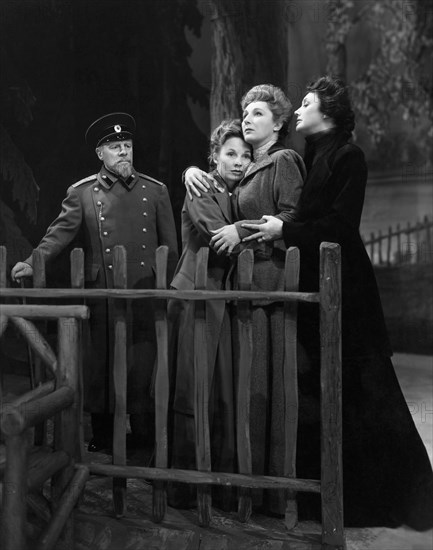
x: 117, y: 128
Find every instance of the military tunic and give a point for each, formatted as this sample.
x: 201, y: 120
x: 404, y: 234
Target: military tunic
x: 103, y: 211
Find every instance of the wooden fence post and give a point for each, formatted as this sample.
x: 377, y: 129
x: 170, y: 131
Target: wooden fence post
x: 120, y: 378
x: 201, y: 390
x: 399, y: 252
x: 3, y: 266
x: 245, y: 347
x: 37, y: 370
x: 162, y: 387
x: 67, y: 433
x: 13, y: 519
x: 388, y: 249
x: 77, y: 281
x: 331, y: 401
x: 291, y: 280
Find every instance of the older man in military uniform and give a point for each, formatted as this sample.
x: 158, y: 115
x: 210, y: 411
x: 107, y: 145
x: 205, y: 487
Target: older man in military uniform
x: 117, y: 206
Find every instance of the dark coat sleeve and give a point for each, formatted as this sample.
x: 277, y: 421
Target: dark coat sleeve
x: 333, y: 214
x: 341, y: 208
x: 63, y: 229
x: 206, y: 212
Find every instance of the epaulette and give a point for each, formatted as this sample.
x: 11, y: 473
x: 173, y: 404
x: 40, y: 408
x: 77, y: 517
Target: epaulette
x: 149, y: 178
x: 85, y: 180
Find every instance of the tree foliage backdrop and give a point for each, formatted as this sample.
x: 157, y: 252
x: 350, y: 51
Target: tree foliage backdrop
x: 66, y: 62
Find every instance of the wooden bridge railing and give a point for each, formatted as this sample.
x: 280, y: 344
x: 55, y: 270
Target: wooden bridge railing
x: 329, y: 301
x: 403, y: 245
x: 27, y: 466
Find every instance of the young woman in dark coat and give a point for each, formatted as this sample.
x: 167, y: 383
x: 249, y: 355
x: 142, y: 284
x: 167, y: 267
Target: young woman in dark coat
x: 387, y: 475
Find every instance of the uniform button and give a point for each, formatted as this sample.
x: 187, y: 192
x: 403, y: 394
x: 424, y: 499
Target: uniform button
x: 108, y: 250
x: 110, y: 267
x: 102, y: 219
x: 143, y: 246
x: 105, y: 233
x: 96, y: 189
x: 144, y: 213
x: 142, y: 264
x: 144, y: 230
x: 144, y: 199
x: 99, y: 203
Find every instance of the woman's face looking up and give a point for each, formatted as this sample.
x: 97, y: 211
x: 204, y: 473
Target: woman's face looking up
x: 232, y: 160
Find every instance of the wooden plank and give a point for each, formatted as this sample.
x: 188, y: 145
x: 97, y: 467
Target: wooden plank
x: 388, y: 251
x: 37, y: 342
x: 379, y: 243
x: 44, y: 464
x: 66, y: 425
x: 201, y: 390
x: 77, y: 281
x: 120, y: 378
x: 161, y: 386
x: 291, y: 284
x: 39, y: 278
x: 331, y: 386
x: 399, y: 250
x: 13, y: 420
x: 37, y: 371
x: 418, y: 242
x: 245, y: 346
x: 138, y: 294
x: 31, y: 311
x: 4, y: 320
x: 206, y: 478
x: 77, y: 268
x: 40, y: 391
x: 3, y: 266
x: 13, y: 518
x: 63, y: 512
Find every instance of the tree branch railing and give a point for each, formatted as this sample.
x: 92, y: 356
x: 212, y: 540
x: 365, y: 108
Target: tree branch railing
x: 401, y: 246
x: 329, y: 302
x: 28, y: 467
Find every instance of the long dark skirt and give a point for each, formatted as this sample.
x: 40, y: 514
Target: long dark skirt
x: 387, y: 474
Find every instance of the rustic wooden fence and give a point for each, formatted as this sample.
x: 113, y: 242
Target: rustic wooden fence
x: 403, y: 245
x: 329, y: 301
x: 27, y: 467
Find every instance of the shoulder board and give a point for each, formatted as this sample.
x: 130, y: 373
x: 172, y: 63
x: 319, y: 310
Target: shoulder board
x: 85, y: 180
x: 149, y: 178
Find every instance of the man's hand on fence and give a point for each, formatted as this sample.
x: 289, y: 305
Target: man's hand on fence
x: 21, y: 269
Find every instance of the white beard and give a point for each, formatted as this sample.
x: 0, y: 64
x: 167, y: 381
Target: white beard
x: 123, y: 170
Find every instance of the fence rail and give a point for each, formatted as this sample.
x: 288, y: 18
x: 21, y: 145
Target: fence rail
x: 329, y: 302
x: 401, y: 246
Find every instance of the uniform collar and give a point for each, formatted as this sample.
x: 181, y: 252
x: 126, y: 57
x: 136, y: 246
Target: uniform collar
x: 107, y: 179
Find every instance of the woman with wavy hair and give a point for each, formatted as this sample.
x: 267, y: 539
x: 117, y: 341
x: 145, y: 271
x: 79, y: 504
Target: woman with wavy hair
x: 387, y: 476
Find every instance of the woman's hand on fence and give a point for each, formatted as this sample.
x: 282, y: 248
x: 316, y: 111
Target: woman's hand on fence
x: 225, y: 239
x: 21, y: 269
x: 269, y: 229
x: 195, y: 180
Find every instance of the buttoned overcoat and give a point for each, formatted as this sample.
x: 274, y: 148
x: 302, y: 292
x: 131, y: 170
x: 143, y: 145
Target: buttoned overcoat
x: 101, y: 212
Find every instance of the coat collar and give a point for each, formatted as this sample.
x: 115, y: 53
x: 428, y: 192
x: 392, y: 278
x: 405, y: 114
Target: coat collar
x: 107, y: 179
x: 222, y: 197
x: 264, y: 161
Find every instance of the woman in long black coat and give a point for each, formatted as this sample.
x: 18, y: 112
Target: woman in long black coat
x: 387, y: 475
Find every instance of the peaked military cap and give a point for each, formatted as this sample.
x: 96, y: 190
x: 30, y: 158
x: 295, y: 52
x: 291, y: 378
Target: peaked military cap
x: 111, y: 127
